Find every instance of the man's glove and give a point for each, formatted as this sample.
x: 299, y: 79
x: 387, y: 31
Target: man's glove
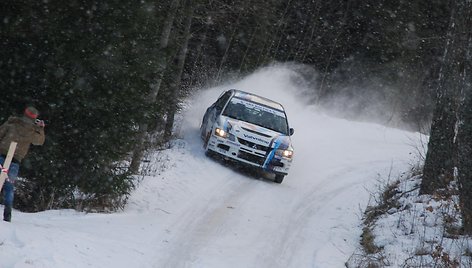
x: 39, y: 123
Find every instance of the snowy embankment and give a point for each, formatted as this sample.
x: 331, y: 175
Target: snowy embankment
x: 191, y: 211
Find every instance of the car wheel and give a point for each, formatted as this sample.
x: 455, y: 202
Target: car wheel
x: 279, y: 178
x: 202, y: 130
x: 205, y: 141
x: 210, y: 154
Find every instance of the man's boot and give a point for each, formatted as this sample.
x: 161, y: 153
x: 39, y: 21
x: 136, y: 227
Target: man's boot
x: 7, y: 213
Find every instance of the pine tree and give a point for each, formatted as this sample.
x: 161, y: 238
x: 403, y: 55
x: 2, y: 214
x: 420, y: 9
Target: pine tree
x: 88, y: 64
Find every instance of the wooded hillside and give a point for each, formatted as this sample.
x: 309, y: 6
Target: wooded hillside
x: 105, y: 74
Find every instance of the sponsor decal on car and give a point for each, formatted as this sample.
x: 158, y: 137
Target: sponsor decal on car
x: 256, y: 106
x: 252, y: 137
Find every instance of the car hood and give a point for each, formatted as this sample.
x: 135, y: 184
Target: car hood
x: 255, y: 134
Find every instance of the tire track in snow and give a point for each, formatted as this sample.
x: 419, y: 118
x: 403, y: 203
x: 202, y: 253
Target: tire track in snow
x: 308, y: 217
x: 197, y: 226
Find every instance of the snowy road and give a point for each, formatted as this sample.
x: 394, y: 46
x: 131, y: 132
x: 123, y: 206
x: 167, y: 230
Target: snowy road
x: 197, y: 212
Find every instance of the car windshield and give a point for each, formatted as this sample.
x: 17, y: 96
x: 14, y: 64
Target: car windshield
x: 257, y: 114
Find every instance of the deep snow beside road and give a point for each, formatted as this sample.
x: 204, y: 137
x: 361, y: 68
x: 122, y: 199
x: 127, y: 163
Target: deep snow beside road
x: 191, y: 211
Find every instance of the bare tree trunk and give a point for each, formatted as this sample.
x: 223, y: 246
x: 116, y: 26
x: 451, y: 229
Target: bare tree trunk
x: 310, y: 42
x: 331, y: 52
x: 464, y: 125
x: 172, y: 110
x: 269, y: 54
x: 194, y: 76
x: 439, y: 163
x: 143, y: 128
x: 464, y: 153
x: 228, y: 46
x: 248, y: 48
x: 440, y: 159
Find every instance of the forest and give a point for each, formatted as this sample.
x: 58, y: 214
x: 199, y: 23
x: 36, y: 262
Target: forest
x: 110, y: 76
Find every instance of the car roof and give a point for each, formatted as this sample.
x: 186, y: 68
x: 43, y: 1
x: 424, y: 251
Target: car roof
x: 258, y: 99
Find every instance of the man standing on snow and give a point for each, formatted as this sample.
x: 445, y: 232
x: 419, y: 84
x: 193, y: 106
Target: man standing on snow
x: 25, y: 130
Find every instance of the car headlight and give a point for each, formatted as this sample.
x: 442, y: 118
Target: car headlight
x: 284, y: 153
x: 221, y: 133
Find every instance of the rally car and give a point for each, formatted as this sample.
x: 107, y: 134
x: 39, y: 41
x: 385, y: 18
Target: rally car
x: 249, y: 129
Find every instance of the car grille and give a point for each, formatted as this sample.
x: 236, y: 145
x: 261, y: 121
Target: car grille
x: 253, y: 145
x: 251, y: 157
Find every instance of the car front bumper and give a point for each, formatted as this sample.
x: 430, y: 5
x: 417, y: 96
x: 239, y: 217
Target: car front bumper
x: 248, y: 153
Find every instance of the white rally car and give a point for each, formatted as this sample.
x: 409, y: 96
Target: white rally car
x: 249, y: 129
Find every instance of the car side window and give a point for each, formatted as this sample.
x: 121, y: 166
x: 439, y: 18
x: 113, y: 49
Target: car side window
x: 220, y: 103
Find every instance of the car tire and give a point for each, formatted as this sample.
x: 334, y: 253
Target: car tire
x: 208, y: 153
x: 202, y: 131
x: 279, y: 178
x: 211, y: 154
x: 206, y: 140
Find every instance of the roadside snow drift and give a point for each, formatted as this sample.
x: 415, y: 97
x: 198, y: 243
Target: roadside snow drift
x: 192, y: 211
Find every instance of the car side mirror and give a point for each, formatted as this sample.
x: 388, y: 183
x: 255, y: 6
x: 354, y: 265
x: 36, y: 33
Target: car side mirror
x: 291, y: 131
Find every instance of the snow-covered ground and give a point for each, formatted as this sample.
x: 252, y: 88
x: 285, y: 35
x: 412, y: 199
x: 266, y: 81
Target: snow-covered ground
x: 191, y: 211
